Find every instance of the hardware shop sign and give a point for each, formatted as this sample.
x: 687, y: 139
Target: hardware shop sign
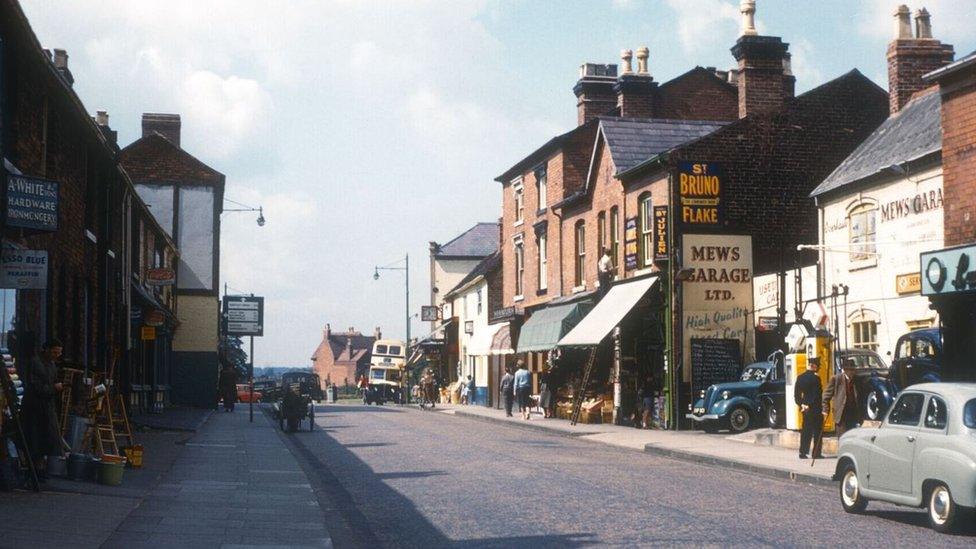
x: 32, y: 203
x: 23, y: 270
x: 244, y: 315
x: 700, y: 194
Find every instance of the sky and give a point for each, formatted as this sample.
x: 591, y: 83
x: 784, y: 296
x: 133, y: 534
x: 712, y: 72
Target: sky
x: 366, y: 129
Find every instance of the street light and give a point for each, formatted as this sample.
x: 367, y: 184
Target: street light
x: 406, y: 283
x: 245, y: 208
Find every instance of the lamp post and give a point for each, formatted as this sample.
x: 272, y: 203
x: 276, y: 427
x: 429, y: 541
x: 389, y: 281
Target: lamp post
x: 245, y: 208
x: 406, y: 347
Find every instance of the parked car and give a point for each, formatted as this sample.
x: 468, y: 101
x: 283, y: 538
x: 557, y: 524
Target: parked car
x: 917, y: 360
x: 244, y: 393
x: 874, y: 393
x: 759, y: 395
x: 922, y: 455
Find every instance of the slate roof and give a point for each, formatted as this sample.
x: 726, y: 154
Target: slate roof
x: 911, y: 133
x: 487, y: 265
x: 951, y: 68
x: 634, y: 140
x: 478, y: 241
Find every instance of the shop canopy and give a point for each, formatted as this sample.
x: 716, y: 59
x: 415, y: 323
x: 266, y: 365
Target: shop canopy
x: 546, y: 327
x: 501, y: 344
x: 607, y: 314
x: 480, y: 343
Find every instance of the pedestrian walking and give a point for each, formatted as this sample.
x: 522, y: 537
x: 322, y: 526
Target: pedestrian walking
x: 523, y: 386
x: 40, y: 418
x: 472, y: 390
x: 227, y: 385
x: 646, y: 394
x: 841, y: 397
x: 808, y: 395
x: 507, y: 390
x: 545, y: 394
x: 464, y: 392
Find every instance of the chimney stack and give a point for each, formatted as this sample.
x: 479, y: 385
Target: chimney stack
x: 635, y: 91
x: 166, y: 125
x: 327, y: 331
x: 377, y: 334
x: 101, y: 120
x: 61, y: 63
x: 594, y: 91
x: 910, y: 57
x: 762, y: 72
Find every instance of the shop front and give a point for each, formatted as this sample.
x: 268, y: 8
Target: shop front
x: 539, y: 337
x: 500, y: 355
x: 949, y: 282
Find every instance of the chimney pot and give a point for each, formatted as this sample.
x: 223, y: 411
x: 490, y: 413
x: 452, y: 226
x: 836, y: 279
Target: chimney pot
x: 101, y: 118
x: 642, y: 55
x: 626, y: 56
x: 923, y: 24
x: 60, y: 58
x: 748, y: 10
x: 903, y: 24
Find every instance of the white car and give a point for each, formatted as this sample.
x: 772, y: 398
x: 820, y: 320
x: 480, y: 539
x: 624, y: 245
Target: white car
x: 922, y: 455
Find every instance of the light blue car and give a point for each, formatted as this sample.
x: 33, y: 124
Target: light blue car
x: 922, y: 455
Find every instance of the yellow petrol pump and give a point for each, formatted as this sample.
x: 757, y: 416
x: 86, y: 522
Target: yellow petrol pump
x: 805, y: 344
x: 821, y: 347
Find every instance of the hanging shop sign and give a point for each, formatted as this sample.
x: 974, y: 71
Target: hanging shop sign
x: 154, y: 318
x: 23, y: 270
x: 161, y: 276
x: 630, y: 244
x: 244, y: 315
x: 908, y: 283
x: 32, y: 203
x: 506, y: 313
x: 767, y: 324
x: 717, y: 297
x: 700, y: 194
x: 469, y: 327
x: 147, y: 333
x: 429, y: 313
x: 948, y: 271
x: 660, y: 233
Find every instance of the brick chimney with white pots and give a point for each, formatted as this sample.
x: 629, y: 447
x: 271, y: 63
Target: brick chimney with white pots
x: 635, y: 90
x: 594, y: 91
x: 911, y: 56
x: 763, y: 75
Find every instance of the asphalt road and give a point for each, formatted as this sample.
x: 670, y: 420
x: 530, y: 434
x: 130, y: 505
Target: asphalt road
x: 405, y: 478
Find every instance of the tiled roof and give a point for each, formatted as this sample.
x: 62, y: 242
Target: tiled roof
x: 633, y: 140
x: 478, y: 241
x: 486, y: 266
x: 911, y: 133
x: 155, y: 158
x: 951, y: 68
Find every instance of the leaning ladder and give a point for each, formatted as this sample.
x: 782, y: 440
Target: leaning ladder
x: 581, y: 390
x: 120, y: 421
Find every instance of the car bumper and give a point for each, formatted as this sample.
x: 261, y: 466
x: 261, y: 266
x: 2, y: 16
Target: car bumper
x: 702, y: 417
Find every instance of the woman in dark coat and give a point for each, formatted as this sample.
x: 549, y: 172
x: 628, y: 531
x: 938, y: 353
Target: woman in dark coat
x: 40, y: 416
x: 227, y: 385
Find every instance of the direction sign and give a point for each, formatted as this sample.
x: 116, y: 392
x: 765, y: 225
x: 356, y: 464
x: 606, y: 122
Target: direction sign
x: 244, y: 315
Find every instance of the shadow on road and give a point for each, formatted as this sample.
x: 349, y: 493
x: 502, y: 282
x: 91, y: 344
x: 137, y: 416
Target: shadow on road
x: 410, y: 474
x: 369, y: 444
x: 920, y: 518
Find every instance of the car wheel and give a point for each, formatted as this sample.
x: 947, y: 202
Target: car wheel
x: 942, y: 510
x: 739, y: 420
x: 772, y: 415
x: 710, y: 427
x: 850, y: 492
x: 872, y: 406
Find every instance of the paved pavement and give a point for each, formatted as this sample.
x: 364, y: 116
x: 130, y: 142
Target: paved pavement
x: 736, y: 452
x: 402, y: 477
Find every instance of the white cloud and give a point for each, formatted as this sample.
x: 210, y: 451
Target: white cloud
x: 703, y: 25
x: 228, y: 111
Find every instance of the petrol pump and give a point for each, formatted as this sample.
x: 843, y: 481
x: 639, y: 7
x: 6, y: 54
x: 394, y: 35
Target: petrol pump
x: 806, y: 343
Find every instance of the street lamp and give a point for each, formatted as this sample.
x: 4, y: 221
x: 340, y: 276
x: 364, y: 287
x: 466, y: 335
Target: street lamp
x: 245, y: 208
x: 406, y: 283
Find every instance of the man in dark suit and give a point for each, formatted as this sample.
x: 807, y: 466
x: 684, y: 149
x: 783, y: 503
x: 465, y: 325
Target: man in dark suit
x: 841, y: 397
x: 808, y: 394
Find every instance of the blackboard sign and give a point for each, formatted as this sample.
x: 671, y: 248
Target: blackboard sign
x: 713, y: 361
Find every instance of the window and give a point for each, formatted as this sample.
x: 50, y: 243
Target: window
x: 924, y: 349
x: 904, y: 348
x: 580, y: 278
x: 395, y: 350
x: 865, y: 335
x: 646, y: 223
x: 863, y: 229
x: 542, y: 242
x: 969, y: 414
x: 601, y: 232
x: 380, y: 349
x: 908, y: 409
x: 614, y: 236
x: 478, y: 296
x: 935, y: 414
x: 519, y: 201
x: 541, y: 182
x: 519, y: 267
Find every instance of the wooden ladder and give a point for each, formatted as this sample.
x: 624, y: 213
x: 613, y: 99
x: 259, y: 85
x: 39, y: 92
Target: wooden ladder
x: 579, y: 397
x: 123, y: 429
x: 102, y: 425
x: 67, y: 378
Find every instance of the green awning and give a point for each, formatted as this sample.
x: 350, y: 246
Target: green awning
x: 546, y: 327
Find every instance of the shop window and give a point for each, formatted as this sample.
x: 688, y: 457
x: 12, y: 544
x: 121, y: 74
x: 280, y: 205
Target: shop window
x: 519, y: 267
x: 862, y: 223
x: 479, y: 301
x: 542, y: 241
x: 541, y: 184
x: 601, y: 232
x: 614, y: 236
x: 580, y: 274
x: 864, y: 335
x: 646, y: 227
x: 519, y: 195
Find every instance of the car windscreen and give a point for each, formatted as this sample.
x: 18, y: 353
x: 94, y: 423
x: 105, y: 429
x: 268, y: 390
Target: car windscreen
x: 754, y: 374
x: 376, y: 374
x: 969, y: 414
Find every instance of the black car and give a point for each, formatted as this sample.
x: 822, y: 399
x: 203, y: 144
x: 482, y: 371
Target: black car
x: 759, y: 396
x: 917, y: 358
x: 870, y: 379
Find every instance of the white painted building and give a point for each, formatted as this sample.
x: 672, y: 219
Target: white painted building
x: 879, y: 210
x: 452, y: 262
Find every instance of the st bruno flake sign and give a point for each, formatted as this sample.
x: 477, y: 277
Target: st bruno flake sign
x: 700, y: 195
x: 244, y: 315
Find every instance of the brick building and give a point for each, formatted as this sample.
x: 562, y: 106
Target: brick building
x: 341, y: 357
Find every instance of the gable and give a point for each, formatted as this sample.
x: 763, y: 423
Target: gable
x: 155, y: 158
x: 697, y: 95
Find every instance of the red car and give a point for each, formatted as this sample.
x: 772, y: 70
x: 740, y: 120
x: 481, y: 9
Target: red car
x: 244, y: 393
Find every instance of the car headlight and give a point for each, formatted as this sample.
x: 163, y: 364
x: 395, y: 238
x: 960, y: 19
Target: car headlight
x: 726, y: 395
x: 701, y: 394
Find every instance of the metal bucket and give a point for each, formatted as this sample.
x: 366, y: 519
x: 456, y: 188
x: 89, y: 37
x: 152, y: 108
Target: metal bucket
x: 56, y: 466
x: 79, y: 467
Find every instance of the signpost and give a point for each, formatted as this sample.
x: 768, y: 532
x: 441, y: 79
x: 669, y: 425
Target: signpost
x: 32, y: 203
x: 244, y: 316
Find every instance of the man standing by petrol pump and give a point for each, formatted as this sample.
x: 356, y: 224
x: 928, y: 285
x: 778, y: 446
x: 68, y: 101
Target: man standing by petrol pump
x: 808, y: 395
x: 841, y: 397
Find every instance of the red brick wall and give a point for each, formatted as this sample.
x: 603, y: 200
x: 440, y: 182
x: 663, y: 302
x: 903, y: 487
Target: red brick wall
x: 908, y: 60
x: 697, y: 95
x: 959, y: 159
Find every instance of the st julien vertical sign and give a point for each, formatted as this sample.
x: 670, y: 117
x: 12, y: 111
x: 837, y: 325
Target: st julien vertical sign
x: 700, y: 194
x: 660, y: 233
x: 32, y: 203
